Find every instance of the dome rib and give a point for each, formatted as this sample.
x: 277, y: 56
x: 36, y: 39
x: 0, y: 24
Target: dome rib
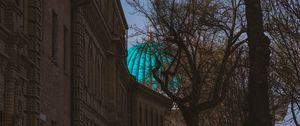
x: 140, y: 70
x: 138, y: 73
x: 141, y: 61
x: 132, y: 61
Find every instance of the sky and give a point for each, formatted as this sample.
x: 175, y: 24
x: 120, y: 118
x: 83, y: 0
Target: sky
x: 132, y: 18
x: 287, y: 120
x: 137, y: 19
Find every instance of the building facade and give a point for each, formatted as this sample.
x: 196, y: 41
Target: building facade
x: 99, y: 94
x: 150, y: 108
x: 20, y: 42
x: 63, y: 63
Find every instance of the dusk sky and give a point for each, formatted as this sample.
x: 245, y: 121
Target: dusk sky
x: 133, y: 18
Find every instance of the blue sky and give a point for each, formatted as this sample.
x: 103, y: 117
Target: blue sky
x: 288, y: 119
x: 132, y: 19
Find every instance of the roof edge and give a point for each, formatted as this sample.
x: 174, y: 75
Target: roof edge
x: 122, y: 14
x: 155, y: 94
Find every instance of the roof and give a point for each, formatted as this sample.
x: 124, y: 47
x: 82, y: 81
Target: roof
x: 141, y: 61
x: 143, y: 91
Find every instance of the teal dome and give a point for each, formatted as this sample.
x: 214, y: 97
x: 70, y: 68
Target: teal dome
x: 141, y: 61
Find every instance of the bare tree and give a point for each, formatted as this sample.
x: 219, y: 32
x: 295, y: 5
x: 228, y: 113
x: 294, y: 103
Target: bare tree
x: 233, y: 110
x: 283, y: 25
x: 203, y: 39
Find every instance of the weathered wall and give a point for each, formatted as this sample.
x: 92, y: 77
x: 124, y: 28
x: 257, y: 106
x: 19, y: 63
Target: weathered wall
x: 55, y: 78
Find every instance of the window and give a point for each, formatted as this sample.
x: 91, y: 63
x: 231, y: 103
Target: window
x: 98, y: 2
x: 54, y: 37
x: 115, y: 24
x: 67, y: 50
x: 20, y: 106
x: 98, y: 77
x: 53, y: 123
x: 141, y: 115
x: 25, y: 16
x: 161, y: 120
x: 100, y: 81
x: 156, y: 118
x: 151, y: 117
x: 1, y: 14
x: 1, y: 117
x: 90, y: 68
x: 146, y: 116
x: 109, y: 17
x: 104, y: 7
x: 18, y: 2
x: 1, y: 91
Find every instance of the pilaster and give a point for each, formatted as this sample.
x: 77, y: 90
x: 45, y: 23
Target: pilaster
x: 77, y: 56
x: 33, y: 88
x: 9, y: 86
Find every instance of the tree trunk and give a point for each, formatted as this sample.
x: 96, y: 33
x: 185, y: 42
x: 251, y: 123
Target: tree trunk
x: 259, y: 54
x: 191, y: 118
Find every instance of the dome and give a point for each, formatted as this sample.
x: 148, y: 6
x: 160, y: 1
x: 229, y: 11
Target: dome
x: 141, y: 61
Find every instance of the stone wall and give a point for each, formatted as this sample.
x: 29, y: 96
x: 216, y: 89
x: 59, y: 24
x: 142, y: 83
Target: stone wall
x: 150, y: 107
x: 59, y: 63
x: 55, y: 78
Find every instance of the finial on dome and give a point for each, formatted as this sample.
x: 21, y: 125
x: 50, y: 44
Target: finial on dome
x: 149, y: 33
x: 149, y: 36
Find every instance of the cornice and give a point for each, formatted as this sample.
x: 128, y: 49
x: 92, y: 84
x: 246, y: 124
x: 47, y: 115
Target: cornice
x: 124, y: 21
x: 120, y: 45
x: 141, y: 89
